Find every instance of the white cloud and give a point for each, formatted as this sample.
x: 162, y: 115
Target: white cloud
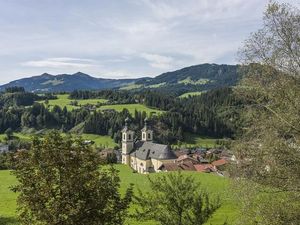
x: 61, y: 62
x: 158, y: 61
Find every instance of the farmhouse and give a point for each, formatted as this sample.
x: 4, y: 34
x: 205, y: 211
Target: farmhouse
x: 144, y: 156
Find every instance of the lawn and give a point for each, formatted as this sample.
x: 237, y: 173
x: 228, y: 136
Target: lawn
x: 194, y: 140
x: 214, y: 184
x: 132, y: 107
x: 63, y: 100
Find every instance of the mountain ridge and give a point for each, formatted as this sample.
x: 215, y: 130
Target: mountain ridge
x: 193, y: 78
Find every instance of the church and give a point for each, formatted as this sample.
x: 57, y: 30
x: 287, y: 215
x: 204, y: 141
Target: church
x: 144, y: 156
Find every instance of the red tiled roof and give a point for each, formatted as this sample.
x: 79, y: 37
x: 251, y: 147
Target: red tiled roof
x: 204, y: 167
x: 220, y: 162
x: 187, y: 166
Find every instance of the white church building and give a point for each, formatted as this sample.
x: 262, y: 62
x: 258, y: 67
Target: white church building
x: 144, y: 155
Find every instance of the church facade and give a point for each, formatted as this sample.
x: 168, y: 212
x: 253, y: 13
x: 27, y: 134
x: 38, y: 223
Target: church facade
x: 144, y: 156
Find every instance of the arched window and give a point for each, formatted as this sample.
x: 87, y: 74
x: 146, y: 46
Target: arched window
x: 149, y: 135
x: 124, y: 136
x: 129, y: 136
x: 144, y: 136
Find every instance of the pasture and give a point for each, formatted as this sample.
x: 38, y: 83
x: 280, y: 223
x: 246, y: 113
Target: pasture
x: 190, y: 94
x: 104, y: 141
x: 194, y: 140
x: 214, y: 184
x: 63, y: 100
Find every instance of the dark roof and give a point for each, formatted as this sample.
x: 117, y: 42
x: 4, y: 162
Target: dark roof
x: 173, y: 166
x: 148, y: 150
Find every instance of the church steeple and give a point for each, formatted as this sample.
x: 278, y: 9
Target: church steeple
x: 147, y: 133
x: 127, y: 142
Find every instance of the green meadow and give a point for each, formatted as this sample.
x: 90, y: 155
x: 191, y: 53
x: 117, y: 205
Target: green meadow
x: 63, y: 100
x: 104, y: 141
x: 214, y: 184
x: 190, y: 94
x: 100, y: 141
x: 194, y: 140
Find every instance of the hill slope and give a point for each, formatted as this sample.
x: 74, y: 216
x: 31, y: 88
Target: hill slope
x: 194, y: 78
x: 66, y: 82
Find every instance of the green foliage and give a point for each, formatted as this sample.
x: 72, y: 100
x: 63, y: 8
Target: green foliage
x: 215, y: 184
x: 175, y: 199
x: 190, y: 94
x: 268, y: 148
x: 60, y: 182
x: 14, y: 89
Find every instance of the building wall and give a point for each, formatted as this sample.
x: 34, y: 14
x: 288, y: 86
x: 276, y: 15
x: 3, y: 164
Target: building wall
x: 126, y: 159
x: 141, y: 166
x: 157, y: 163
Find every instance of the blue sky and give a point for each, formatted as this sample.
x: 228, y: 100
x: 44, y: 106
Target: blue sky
x: 121, y: 38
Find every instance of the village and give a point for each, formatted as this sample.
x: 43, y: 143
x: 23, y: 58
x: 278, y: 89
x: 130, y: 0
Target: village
x: 145, y: 156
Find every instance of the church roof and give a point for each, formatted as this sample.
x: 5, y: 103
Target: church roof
x: 148, y: 150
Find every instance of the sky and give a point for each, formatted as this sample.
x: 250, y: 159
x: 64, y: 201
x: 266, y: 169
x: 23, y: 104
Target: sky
x: 121, y: 38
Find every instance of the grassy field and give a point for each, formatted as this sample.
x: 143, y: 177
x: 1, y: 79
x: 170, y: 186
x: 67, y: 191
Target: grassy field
x: 63, y: 101
x: 188, y: 80
x: 21, y: 136
x: 186, y: 95
x: 194, y: 140
x: 132, y: 107
x: 131, y: 86
x: 214, y: 184
x: 100, y: 141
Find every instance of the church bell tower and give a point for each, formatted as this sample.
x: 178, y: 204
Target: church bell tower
x: 147, y: 133
x: 127, y: 143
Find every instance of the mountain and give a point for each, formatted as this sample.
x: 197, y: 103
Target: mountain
x: 194, y: 78
x: 66, y: 82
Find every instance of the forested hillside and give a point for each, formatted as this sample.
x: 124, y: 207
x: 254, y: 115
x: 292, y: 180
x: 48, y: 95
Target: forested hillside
x: 212, y: 114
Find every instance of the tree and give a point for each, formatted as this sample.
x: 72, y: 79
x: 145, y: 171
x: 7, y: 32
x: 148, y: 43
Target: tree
x: 175, y: 199
x: 268, y: 148
x: 60, y: 181
x: 9, y: 133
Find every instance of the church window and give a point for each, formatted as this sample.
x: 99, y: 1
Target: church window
x: 129, y: 136
x: 124, y: 136
x: 143, y: 135
x: 149, y: 135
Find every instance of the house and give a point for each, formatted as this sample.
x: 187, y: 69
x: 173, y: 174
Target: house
x: 206, y: 168
x: 186, y: 158
x: 175, y: 166
x: 144, y: 156
x: 219, y: 164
